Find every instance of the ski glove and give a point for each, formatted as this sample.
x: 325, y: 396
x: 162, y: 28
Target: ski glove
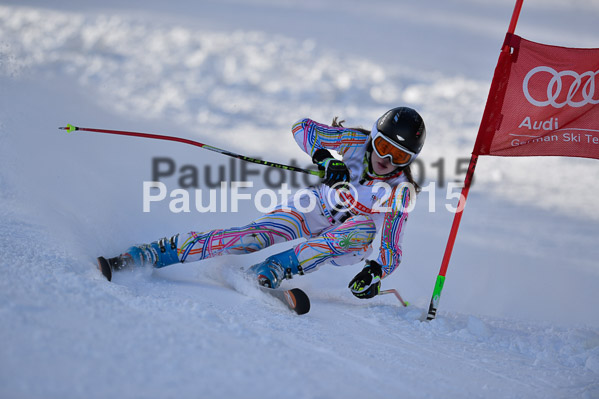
x: 367, y: 283
x: 335, y: 171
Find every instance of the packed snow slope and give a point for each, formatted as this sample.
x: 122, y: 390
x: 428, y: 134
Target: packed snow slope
x: 517, y: 317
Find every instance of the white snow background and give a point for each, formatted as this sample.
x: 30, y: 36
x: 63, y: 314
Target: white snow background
x: 517, y: 317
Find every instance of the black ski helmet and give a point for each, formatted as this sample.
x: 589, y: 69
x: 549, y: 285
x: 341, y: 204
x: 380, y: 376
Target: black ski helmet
x: 404, y: 127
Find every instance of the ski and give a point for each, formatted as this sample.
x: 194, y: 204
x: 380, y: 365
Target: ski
x: 105, y: 268
x: 295, y: 299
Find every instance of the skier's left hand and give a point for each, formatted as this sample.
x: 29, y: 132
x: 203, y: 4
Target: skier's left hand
x: 367, y: 283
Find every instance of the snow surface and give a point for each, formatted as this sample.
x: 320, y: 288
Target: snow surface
x: 517, y: 316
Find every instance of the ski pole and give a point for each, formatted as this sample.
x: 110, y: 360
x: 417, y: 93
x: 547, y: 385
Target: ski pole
x: 70, y: 128
x: 396, y: 293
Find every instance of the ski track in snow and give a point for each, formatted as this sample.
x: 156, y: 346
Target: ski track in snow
x: 202, y: 330
x: 127, y: 339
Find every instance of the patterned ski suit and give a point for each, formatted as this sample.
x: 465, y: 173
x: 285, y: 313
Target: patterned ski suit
x: 335, y: 233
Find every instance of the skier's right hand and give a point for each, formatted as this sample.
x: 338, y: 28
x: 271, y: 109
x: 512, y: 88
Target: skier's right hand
x: 336, y: 172
x: 367, y: 283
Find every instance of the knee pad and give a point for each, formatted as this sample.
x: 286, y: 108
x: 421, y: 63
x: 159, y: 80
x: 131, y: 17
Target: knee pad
x: 359, y: 229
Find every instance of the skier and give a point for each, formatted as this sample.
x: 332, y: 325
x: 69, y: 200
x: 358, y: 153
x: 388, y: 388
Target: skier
x: 366, y: 191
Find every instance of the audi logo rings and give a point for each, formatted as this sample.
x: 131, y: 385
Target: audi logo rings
x: 554, y: 88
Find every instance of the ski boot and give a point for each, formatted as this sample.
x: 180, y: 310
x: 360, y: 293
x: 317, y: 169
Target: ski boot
x: 276, y: 268
x: 157, y: 254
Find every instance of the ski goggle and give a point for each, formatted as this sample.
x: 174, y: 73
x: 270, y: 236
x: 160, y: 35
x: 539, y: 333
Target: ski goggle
x: 397, y: 154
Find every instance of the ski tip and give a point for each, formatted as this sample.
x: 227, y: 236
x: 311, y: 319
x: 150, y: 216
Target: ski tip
x: 104, y: 267
x: 301, y: 301
x: 69, y: 128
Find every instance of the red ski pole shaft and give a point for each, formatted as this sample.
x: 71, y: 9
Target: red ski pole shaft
x: 396, y: 293
x: 70, y: 128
